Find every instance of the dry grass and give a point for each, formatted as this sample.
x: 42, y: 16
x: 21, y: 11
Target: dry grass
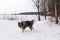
x: 50, y: 14
x: 11, y: 18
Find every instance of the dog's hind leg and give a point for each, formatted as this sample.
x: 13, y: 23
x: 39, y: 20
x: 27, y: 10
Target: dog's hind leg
x: 31, y: 28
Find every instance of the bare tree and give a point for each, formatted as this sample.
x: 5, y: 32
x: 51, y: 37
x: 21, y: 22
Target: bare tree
x: 36, y: 2
x: 41, y: 6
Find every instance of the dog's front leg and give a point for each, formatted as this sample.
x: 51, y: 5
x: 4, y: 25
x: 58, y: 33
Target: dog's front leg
x: 23, y: 29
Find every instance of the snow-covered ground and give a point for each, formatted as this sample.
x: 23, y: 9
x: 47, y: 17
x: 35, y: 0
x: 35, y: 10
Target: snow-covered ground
x: 43, y: 30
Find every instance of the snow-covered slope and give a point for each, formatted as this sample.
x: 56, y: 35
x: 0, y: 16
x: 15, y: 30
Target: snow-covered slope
x: 43, y: 30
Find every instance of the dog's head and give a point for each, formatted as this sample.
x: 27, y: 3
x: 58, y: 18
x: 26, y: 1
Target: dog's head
x: 19, y: 24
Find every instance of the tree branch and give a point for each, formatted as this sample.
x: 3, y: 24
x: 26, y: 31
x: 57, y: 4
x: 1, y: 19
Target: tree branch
x: 35, y: 3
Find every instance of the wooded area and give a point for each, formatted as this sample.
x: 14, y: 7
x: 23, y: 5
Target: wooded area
x: 48, y: 8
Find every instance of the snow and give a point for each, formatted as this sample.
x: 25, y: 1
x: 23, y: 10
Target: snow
x: 43, y: 30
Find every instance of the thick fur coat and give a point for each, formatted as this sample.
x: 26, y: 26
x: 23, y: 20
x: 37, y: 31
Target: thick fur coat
x: 24, y: 24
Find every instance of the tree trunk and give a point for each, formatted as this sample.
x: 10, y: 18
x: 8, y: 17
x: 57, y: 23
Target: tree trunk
x: 38, y: 15
x: 38, y: 11
x: 45, y: 9
x: 56, y: 11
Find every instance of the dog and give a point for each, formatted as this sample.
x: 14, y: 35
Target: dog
x: 24, y: 24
